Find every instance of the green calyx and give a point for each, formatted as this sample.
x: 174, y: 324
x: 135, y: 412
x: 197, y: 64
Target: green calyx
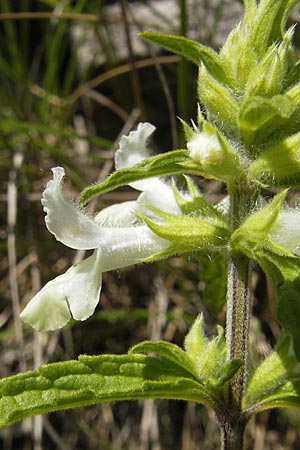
x: 261, y: 27
x: 252, y: 237
x: 218, y: 99
x: 268, y: 77
x: 187, y: 233
x: 279, y: 164
x: 260, y: 117
x: 209, y: 356
x: 270, y: 385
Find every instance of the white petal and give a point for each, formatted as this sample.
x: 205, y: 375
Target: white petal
x: 133, y: 149
x: 48, y: 310
x: 161, y: 196
x: 65, y: 220
x: 86, y: 282
x: 118, y: 215
x: 125, y: 214
x: 75, y: 293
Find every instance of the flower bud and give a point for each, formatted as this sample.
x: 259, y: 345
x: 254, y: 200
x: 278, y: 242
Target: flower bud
x: 209, y: 355
x: 205, y: 148
x: 212, y: 151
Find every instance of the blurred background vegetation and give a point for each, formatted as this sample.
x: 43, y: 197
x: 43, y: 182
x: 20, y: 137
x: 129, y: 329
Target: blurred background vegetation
x: 74, y: 77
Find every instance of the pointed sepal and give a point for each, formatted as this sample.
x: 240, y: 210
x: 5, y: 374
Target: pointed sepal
x: 263, y: 237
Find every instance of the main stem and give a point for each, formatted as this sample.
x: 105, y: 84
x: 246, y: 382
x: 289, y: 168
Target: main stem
x: 233, y: 421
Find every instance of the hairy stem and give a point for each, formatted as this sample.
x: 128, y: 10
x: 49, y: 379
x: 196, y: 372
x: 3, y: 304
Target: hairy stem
x: 233, y: 422
x: 237, y: 328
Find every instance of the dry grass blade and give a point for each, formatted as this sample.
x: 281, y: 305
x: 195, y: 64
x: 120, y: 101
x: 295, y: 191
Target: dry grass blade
x: 125, y: 68
x: 12, y: 254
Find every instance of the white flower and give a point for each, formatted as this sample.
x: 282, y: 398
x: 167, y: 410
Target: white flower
x: 205, y: 147
x: 119, y: 238
x: 286, y: 230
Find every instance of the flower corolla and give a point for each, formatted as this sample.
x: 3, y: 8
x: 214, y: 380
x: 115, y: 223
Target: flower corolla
x: 117, y: 235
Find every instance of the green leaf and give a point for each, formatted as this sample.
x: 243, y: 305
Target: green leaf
x: 95, y: 379
x: 170, y: 163
x: 191, y: 50
x: 213, y: 275
x: 285, y: 396
x: 175, y: 162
